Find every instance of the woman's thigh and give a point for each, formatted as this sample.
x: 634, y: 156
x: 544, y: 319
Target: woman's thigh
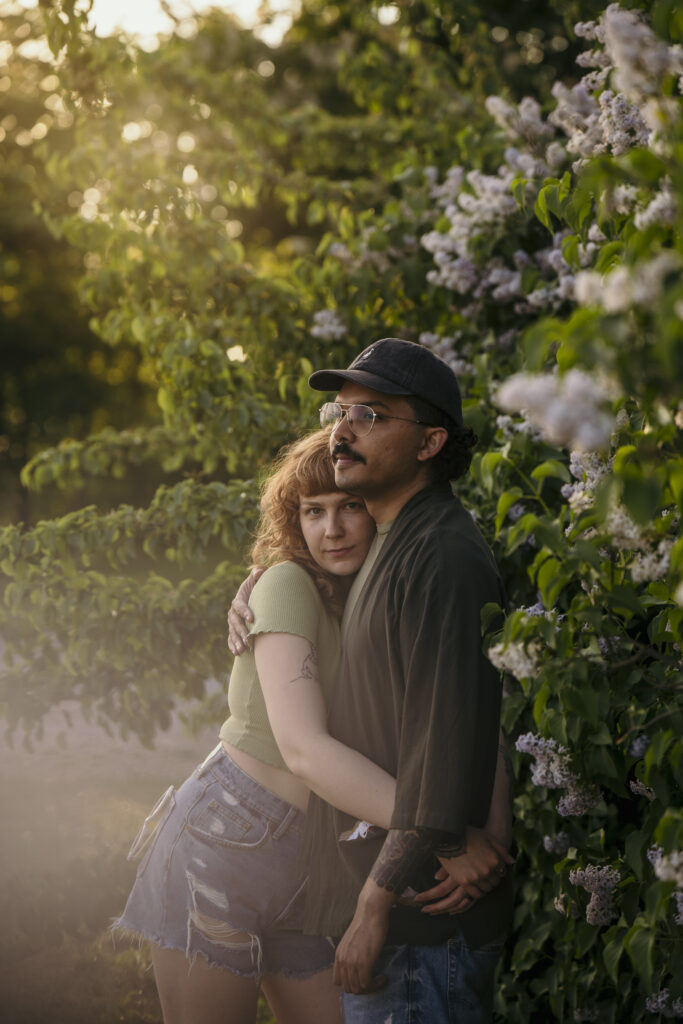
x: 192, y: 992
x: 312, y: 1000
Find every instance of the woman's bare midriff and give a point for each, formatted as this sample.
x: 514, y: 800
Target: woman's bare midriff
x: 282, y: 783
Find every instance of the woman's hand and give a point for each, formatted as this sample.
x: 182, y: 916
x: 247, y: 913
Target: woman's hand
x: 240, y: 615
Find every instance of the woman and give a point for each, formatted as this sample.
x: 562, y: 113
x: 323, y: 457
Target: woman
x: 218, y: 892
x: 218, y: 877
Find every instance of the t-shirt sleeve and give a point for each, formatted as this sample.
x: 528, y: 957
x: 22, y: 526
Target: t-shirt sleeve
x: 285, y: 600
x: 450, y: 714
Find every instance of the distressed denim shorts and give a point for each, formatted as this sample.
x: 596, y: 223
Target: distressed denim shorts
x: 218, y: 876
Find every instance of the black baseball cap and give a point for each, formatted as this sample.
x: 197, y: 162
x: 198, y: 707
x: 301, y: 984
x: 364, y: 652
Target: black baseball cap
x: 397, y: 367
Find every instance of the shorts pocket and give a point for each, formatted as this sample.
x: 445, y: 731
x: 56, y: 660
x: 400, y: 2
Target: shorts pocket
x: 233, y: 825
x: 151, y: 826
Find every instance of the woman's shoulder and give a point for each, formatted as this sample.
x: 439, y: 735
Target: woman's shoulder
x: 286, y: 575
x: 286, y: 600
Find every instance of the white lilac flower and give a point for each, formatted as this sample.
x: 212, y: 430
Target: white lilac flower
x: 669, y: 868
x: 620, y: 122
x: 662, y: 209
x: 600, y: 883
x: 640, y: 789
x: 655, y: 853
x: 623, y: 198
x: 577, y: 801
x: 652, y: 565
x: 678, y: 899
x: 555, y: 155
x: 328, y: 326
x: 524, y: 121
x: 443, y: 347
x: 640, y: 59
x: 551, y: 761
x: 521, y: 662
x: 568, y: 409
x: 589, y: 30
x: 659, y: 1003
x: 557, y: 844
x: 623, y: 532
x: 638, y: 747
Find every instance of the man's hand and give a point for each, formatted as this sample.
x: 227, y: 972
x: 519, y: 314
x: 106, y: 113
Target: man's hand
x: 240, y: 614
x: 363, y: 941
x: 446, y: 897
x: 481, y: 867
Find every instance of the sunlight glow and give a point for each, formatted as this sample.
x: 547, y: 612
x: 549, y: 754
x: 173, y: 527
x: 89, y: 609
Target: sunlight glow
x: 146, y: 18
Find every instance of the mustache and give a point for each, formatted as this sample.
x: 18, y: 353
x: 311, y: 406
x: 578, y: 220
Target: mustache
x: 342, y: 448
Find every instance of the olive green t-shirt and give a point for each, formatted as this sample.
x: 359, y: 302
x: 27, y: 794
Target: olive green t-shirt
x: 285, y: 600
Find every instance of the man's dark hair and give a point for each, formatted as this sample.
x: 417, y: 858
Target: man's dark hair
x: 455, y: 457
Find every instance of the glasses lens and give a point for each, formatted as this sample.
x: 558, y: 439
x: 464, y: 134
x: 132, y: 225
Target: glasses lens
x: 330, y: 413
x: 361, y: 418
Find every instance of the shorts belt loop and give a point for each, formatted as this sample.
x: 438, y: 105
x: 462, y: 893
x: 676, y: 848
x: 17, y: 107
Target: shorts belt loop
x: 291, y: 814
x: 208, y: 761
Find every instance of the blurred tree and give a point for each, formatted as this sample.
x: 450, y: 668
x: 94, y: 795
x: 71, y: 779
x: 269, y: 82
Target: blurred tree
x: 58, y: 378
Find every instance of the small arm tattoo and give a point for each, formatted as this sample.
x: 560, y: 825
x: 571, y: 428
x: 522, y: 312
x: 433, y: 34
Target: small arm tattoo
x: 309, y: 666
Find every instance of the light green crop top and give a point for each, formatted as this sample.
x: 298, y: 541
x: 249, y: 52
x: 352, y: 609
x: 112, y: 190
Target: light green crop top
x: 285, y: 600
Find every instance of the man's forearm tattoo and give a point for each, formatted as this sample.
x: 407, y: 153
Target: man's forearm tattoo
x: 309, y: 666
x: 400, y: 856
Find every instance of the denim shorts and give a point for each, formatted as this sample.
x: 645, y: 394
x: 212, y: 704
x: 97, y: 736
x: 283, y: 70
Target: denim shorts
x: 219, y: 876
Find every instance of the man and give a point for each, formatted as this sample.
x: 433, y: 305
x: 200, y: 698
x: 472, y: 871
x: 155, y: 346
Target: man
x: 416, y: 695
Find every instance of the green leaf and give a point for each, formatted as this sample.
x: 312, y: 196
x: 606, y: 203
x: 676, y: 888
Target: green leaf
x: 633, y: 851
x: 550, y: 579
x: 505, y: 502
x: 551, y: 467
x: 487, y: 465
x: 612, y: 954
x: 639, y: 944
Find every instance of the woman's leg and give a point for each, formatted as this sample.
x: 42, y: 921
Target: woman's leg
x: 313, y: 1000
x: 194, y: 993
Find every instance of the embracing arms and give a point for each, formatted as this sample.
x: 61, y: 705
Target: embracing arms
x: 287, y: 667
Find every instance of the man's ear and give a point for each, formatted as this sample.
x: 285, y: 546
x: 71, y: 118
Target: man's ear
x: 433, y: 441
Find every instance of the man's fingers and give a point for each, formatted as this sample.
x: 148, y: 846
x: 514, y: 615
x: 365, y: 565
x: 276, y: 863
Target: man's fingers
x: 501, y: 850
x: 436, y: 892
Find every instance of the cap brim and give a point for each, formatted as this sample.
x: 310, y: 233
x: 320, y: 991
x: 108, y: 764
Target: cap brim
x: 333, y: 380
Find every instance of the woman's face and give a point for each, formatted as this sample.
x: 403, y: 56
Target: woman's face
x: 338, y: 531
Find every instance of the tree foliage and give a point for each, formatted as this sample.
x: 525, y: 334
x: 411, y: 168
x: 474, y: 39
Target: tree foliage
x: 247, y: 213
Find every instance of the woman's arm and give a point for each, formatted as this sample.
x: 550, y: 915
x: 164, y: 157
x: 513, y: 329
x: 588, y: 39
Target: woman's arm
x: 287, y: 668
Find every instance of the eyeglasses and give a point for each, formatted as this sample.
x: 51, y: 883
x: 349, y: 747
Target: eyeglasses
x: 360, y: 418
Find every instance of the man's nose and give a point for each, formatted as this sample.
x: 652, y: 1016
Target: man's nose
x: 342, y: 431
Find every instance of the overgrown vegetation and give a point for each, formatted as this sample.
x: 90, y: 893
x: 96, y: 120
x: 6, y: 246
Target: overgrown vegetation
x: 442, y: 173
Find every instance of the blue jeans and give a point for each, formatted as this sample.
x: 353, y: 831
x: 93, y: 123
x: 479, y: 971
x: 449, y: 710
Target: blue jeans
x: 446, y: 984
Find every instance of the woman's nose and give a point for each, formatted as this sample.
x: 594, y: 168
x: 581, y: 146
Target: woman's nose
x: 333, y: 525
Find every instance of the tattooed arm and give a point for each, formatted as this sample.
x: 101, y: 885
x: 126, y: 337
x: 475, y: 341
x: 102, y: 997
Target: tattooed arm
x: 478, y: 857
x: 401, y: 854
x: 287, y: 667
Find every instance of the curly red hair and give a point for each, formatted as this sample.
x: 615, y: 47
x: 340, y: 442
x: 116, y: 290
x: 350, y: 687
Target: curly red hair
x: 301, y: 469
